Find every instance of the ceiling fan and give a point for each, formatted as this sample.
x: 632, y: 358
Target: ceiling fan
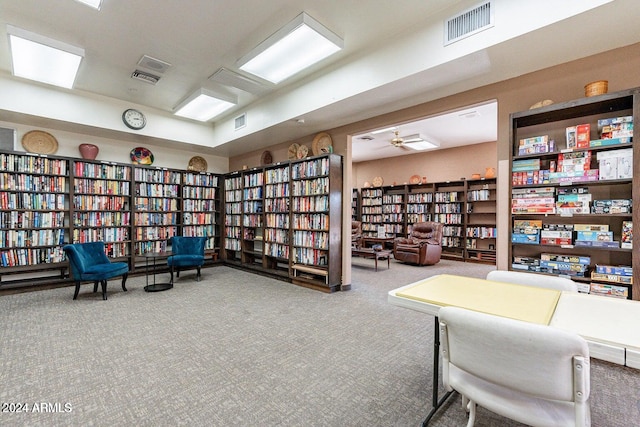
x: 398, y: 141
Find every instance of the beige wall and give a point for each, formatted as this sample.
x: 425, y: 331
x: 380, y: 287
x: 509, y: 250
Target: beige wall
x: 436, y: 166
x: 561, y: 83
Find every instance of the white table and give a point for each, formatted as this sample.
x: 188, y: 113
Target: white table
x: 610, y: 326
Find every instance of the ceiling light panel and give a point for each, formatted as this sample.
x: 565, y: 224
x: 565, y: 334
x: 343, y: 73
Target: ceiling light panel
x: 296, y: 46
x: 204, y: 105
x: 96, y: 4
x: 40, y: 58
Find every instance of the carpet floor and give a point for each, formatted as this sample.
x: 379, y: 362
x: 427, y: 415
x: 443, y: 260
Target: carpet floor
x: 239, y: 349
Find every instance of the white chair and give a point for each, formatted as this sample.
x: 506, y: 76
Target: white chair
x: 534, y: 374
x: 533, y: 279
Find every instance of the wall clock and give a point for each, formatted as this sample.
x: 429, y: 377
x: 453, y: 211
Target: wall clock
x: 134, y: 119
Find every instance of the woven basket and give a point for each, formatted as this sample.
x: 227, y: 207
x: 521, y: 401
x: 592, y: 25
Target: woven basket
x: 596, y: 88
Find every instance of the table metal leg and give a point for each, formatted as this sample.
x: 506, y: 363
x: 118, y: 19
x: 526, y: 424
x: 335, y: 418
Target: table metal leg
x: 435, y: 403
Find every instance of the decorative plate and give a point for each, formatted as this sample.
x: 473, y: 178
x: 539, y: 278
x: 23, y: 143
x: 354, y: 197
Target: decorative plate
x: 303, y: 150
x: 142, y: 156
x: 266, y: 158
x: 321, y: 144
x: 292, y: 153
x: 197, y: 164
x: 40, y: 142
x: 415, y: 179
x: 377, y: 181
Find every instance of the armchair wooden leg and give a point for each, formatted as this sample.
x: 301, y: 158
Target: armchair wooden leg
x: 104, y: 289
x: 198, y: 275
x: 124, y: 279
x: 95, y: 286
x: 171, y: 272
x: 75, y: 294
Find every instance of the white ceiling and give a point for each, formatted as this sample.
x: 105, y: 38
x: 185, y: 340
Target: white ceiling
x: 198, y: 37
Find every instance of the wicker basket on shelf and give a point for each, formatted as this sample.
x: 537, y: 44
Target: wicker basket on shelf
x: 596, y: 88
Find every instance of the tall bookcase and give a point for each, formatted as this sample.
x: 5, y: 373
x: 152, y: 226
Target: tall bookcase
x: 393, y: 211
x: 316, y: 222
x: 371, y: 199
x: 449, y: 201
x: 419, y: 204
x: 277, y: 219
x: 201, y: 207
x: 480, y: 221
x: 252, y: 217
x: 157, y: 208
x: 34, y: 213
x: 563, y: 183
x: 232, y: 217
x: 101, y: 200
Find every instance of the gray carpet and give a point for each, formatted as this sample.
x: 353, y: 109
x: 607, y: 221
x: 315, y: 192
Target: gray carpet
x: 237, y: 349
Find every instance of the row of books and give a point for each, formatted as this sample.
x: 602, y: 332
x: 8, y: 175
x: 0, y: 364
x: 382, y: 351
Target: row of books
x: 233, y: 196
x: 199, y: 205
x: 100, y: 186
x: 309, y: 256
x: 26, y: 238
x: 101, y: 219
x: 31, y: 219
x: 448, y: 218
x: 448, y: 208
x: 311, y: 239
x: 200, y: 179
x: 102, y: 171
x: 311, y: 168
x: 420, y: 198
x: 101, y: 234
x: 311, y: 221
x: 160, y: 176
x: 276, y: 175
x: 156, y: 190
x: 310, y: 204
x: 253, y: 180
x: 276, y: 205
x: 31, y: 256
x: 156, y: 233
x: 397, y: 209
x: 311, y: 187
x: 277, y: 235
x: 277, y: 190
x: 447, y: 197
x: 276, y: 250
x: 482, y: 232
x: 39, y: 183
x: 198, y: 218
x: 393, y: 217
x: 232, y: 232
x: 199, y: 193
x: 32, y: 164
x: 392, y: 198
x: 37, y: 201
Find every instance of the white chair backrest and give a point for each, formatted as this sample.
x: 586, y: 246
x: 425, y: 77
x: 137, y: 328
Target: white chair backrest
x: 533, y: 279
x: 517, y: 359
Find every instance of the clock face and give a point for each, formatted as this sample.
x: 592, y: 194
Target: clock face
x: 134, y: 119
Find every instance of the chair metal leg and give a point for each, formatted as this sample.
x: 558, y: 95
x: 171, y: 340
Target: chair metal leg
x: 104, y: 289
x: 124, y: 279
x: 75, y: 294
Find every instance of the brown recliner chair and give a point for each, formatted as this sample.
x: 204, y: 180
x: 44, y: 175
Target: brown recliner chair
x: 422, y: 247
x: 356, y: 234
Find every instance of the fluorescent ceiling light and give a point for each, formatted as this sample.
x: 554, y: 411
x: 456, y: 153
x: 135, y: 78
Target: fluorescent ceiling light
x: 96, y: 4
x: 204, y: 105
x: 375, y: 132
x: 419, y: 144
x: 40, y: 58
x: 296, y: 46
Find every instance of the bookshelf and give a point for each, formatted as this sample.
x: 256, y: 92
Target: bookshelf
x: 371, y: 199
x: 316, y: 222
x: 157, y: 208
x: 201, y: 207
x: 569, y: 206
x: 480, y: 221
x: 449, y: 201
x: 252, y: 217
x: 232, y: 217
x: 34, y: 213
x: 419, y: 204
x: 394, y: 211
x: 101, y: 200
x: 355, y: 205
x: 277, y: 213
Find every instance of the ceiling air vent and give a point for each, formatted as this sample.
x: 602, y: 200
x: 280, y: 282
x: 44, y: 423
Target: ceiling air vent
x: 145, y: 77
x: 240, y: 121
x: 153, y: 64
x: 468, y: 23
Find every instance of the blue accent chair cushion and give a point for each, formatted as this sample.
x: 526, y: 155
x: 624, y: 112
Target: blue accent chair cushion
x: 186, y: 252
x: 89, y: 263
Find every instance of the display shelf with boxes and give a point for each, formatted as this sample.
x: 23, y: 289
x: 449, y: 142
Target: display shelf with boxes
x: 573, y: 190
x: 34, y: 216
x: 481, y: 231
x: 371, y: 211
x: 394, y: 211
x: 449, y: 205
x: 316, y: 225
x: 157, y: 208
x: 232, y: 217
x: 101, y: 200
x: 201, y: 208
x: 252, y: 217
x: 277, y: 218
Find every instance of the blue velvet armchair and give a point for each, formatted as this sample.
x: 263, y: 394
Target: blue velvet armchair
x: 186, y: 252
x: 89, y: 263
